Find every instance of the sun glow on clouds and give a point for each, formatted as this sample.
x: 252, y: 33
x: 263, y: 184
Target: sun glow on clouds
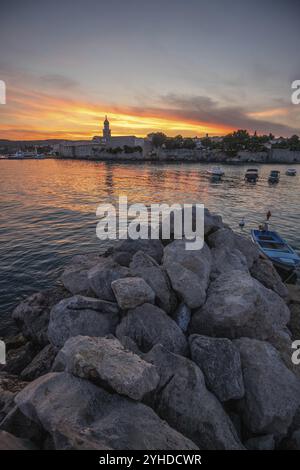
x: 37, y: 115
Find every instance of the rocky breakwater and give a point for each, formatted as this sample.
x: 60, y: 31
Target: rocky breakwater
x: 151, y: 346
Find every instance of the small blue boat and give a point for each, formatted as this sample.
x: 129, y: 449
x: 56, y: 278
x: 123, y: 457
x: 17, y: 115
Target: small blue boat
x: 276, y: 249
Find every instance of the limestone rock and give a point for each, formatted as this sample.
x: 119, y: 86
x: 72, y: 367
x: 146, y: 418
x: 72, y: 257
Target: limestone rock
x: 272, y: 391
x: 32, y: 315
x: 40, y: 365
x: 264, y: 271
x: 73, y: 409
x: 238, y: 305
x: 225, y: 260
x: 80, y: 315
x: 131, y: 292
x: 148, y: 325
x: 189, y: 272
x: 144, y: 266
x: 100, y: 278
x: 220, y: 363
x: 153, y: 248
x: 183, y: 400
x: 106, y: 362
x: 225, y: 237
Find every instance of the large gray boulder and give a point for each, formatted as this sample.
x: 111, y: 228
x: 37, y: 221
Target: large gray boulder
x: 73, y: 410
x: 225, y: 237
x: 80, y: 315
x: 294, y: 305
x: 130, y: 292
x: 153, y: 248
x: 220, y: 363
x: 212, y: 222
x: 101, y: 276
x: 264, y: 271
x: 75, y: 274
x: 10, y: 385
x: 148, y: 325
x: 40, y: 365
x: 144, y: 266
x: 238, y: 305
x: 272, y: 391
x: 106, y: 362
x: 183, y: 400
x: 32, y: 315
x: 189, y: 271
x: 225, y: 260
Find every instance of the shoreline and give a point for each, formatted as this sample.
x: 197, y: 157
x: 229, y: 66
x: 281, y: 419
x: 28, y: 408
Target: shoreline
x: 141, y: 329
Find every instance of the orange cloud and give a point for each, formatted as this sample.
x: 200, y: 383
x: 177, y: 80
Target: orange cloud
x: 36, y: 115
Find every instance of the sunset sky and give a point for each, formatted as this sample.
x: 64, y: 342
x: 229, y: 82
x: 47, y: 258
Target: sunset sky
x: 190, y: 67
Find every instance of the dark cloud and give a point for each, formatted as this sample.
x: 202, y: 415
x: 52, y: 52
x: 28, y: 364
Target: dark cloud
x: 59, y: 81
x: 203, y: 109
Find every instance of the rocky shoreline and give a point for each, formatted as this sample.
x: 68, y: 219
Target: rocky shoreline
x: 150, y: 346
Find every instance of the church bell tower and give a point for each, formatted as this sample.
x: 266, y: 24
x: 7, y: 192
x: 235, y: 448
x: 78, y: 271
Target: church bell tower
x: 106, y: 129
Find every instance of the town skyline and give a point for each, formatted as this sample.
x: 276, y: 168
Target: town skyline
x: 204, y: 70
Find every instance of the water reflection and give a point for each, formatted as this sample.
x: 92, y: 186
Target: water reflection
x: 48, y: 209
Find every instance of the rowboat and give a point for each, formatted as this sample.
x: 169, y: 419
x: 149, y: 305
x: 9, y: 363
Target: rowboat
x: 291, y: 172
x: 282, y: 255
x: 216, y: 171
x: 252, y: 175
x: 274, y: 176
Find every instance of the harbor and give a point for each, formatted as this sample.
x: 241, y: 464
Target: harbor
x: 40, y: 196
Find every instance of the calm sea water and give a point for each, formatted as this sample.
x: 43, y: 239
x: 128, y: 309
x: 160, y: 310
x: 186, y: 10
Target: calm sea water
x: 48, y: 210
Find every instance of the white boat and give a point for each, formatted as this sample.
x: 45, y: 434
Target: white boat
x: 291, y: 172
x: 216, y: 171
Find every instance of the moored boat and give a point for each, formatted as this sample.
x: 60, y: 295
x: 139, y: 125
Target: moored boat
x: 274, y: 176
x: 216, y: 171
x: 252, y: 175
x: 291, y: 172
x: 282, y: 255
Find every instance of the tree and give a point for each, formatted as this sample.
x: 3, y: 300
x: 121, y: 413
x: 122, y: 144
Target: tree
x: 157, y: 138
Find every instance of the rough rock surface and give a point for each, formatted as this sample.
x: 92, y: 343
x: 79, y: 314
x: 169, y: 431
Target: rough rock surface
x: 266, y: 442
x: 41, y: 364
x: 153, y: 248
x: 144, y: 266
x: 9, y: 386
x: 225, y: 260
x: 102, y: 275
x: 294, y: 305
x: 80, y: 315
x: 131, y: 292
x: 185, y: 403
x: 148, y: 325
x: 106, y: 362
x: 225, y: 237
x: 264, y: 271
x: 272, y: 391
x: 189, y: 272
x: 10, y: 442
x: 71, y: 409
x: 75, y: 275
x: 220, y: 362
x: 32, y: 315
x: 238, y: 305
